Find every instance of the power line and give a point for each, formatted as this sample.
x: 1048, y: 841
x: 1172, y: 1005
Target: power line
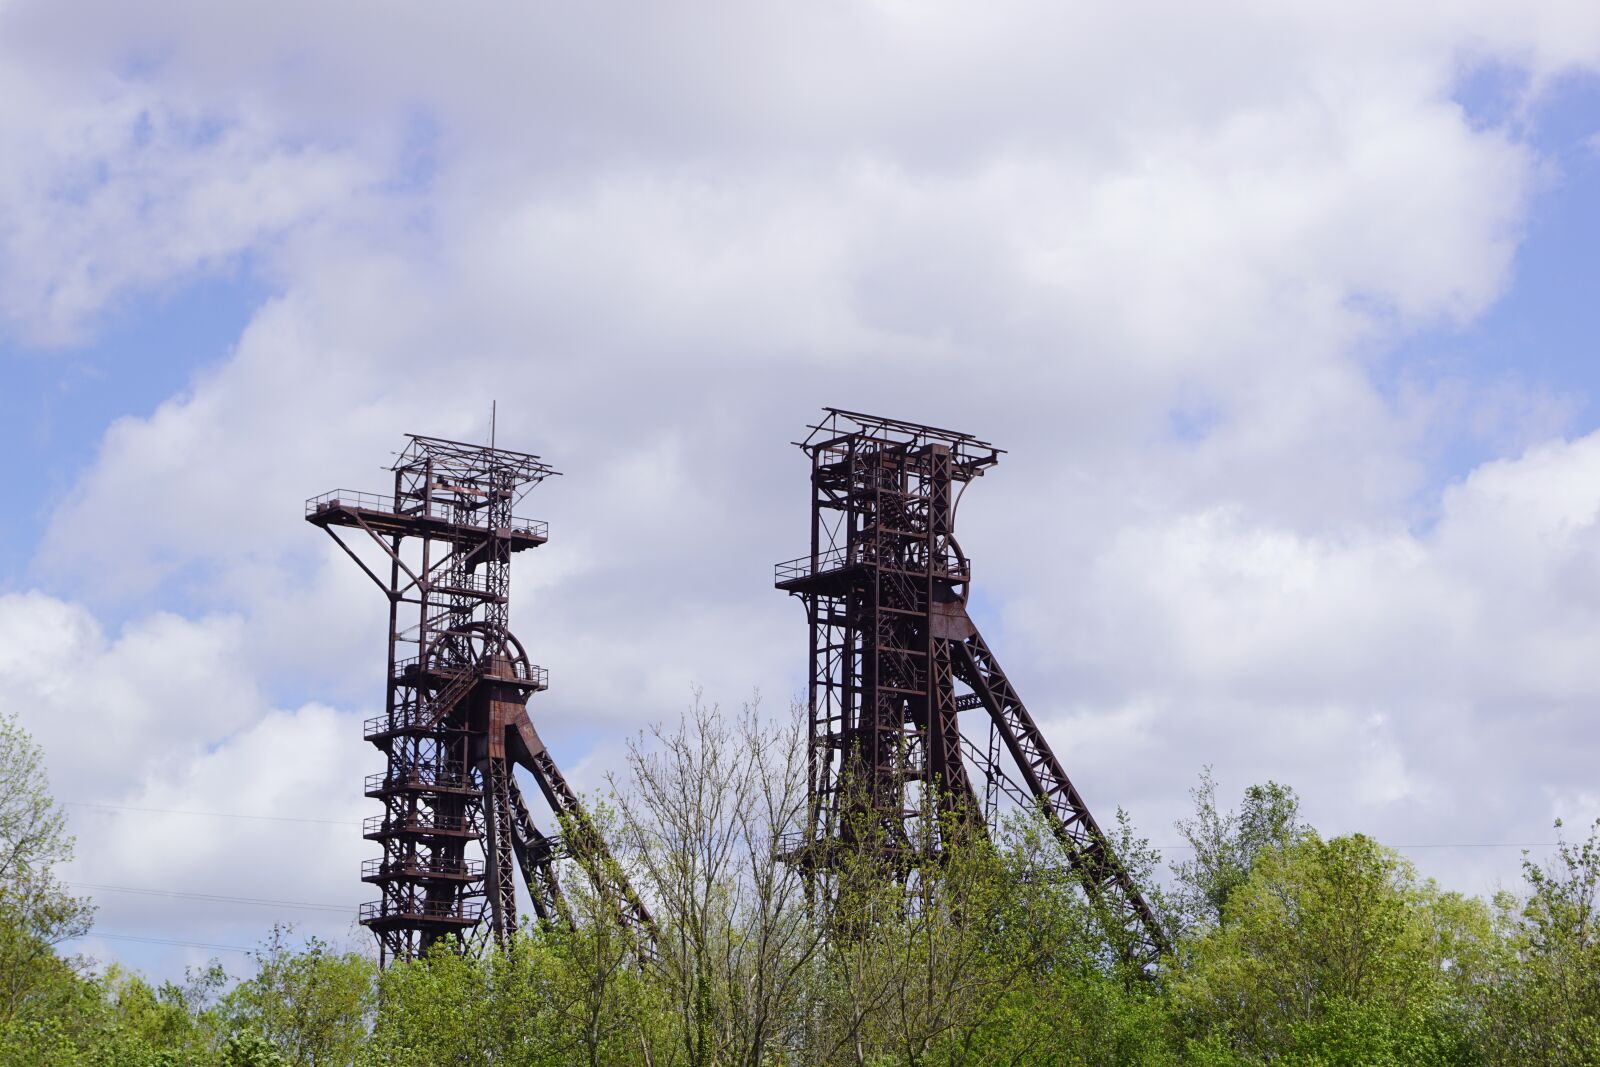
x: 1481, y: 844
x: 208, y: 814
x: 340, y: 822
x: 164, y: 941
x: 217, y: 897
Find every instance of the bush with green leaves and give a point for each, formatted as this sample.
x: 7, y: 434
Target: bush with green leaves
x: 1288, y: 949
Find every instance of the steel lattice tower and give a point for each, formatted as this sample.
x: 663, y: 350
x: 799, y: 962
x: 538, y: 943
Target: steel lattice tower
x: 455, y: 828
x: 895, y: 660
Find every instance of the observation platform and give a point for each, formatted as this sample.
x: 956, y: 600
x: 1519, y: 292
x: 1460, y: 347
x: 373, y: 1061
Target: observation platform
x: 834, y: 571
x: 501, y: 669
x: 348, y: 507
x: 438, y: 914
x: 440, y: 869
x: 421, y: 825
x: 803, y: 849
x: 420, y: 780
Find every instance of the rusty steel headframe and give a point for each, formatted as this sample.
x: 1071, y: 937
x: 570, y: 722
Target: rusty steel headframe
x: 895, y: 658
x: 455, y: 828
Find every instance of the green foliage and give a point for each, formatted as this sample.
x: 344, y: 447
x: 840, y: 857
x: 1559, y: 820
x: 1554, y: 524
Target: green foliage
x: 247, y: 1048
x: 1544, y: 1005
x: 36, y: 912
x: 1330, y: 952
x: 542, y: 1001
x: 1226, y: 846
x: 1040, y: 986
x: 171, y: 1024
x: 706, y: 806
x: 433, y: 1011
x: 314, y: 1005
x: 1289, y: 949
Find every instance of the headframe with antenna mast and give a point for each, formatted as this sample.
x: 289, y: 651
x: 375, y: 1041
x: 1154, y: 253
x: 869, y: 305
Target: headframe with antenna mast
x: 456, y: 831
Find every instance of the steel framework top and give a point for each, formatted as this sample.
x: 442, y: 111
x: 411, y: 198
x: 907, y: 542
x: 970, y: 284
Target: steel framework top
x: 458, y: 458
x: 972, y: 456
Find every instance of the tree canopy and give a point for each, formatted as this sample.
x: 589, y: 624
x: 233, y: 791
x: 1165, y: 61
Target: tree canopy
x: 1290, y: 948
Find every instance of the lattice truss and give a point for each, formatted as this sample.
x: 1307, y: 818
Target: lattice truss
x: 456, y: 830
x: 896, y: 659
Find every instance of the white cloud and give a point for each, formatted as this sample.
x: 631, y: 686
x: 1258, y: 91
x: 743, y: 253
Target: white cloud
x: 661, y: 237
x: 114, y: 710
x: 173, y: 834
x: 304, y: 764
x: 1434, y: 685
x: 163, y: 720
x: 114, y: 186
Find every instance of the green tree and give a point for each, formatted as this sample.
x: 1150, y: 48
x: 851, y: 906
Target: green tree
x: 433, y: 1012
x: 247, y: 1048
x: 991, y: 955
x: 1226, y: 845
x: 598, y: 1005
x: 140, y: 1025
x: 554, y: 998
x: 1048, y: 984
x: 313, y: 1004
x: 1544, y: 1006
x: 701, y: 823
x: 1331, y: 952
x: 37, y: 914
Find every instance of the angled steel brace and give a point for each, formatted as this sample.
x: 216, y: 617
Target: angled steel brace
x: 537, y: 855
x: 583, y: 841
x: 376, y: 536
x: 379, y: 582
x: 1102, y: 874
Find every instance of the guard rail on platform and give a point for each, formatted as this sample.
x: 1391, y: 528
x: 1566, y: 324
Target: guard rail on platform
x: 438, y: 867
x: 420, y: 823
x: 439, y: 511
x: 445, y: 911
x: 419, y: 777
x: 836, y: 559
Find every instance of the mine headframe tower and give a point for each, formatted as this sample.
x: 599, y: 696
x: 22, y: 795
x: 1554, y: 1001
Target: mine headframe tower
x: 895, y: 659
x: 455, y: 828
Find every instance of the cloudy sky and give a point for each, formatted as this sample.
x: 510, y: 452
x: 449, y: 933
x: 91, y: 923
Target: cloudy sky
x: 1285, y: 313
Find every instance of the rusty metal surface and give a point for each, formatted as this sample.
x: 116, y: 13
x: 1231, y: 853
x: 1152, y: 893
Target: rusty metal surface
x: 455, y: 722
x: 895, y: 659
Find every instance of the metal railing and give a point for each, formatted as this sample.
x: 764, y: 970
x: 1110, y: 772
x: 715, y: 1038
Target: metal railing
x: 477, y: 584
x: 424, y: 776
x: 420, y: 823
x: 428, y: 718
x: 403, y: 666
x: 843, y: 556
x: 530, y: 672
x: 439, y: 510
x: 350, y: 498
x: 831, y: 560
x: 410, y: 719
x: 532, y: 527
x: 434, y: 667
x: 458, y: 911
x: 527, y: 672
x: 791, y: 842
x: 439, y: 866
